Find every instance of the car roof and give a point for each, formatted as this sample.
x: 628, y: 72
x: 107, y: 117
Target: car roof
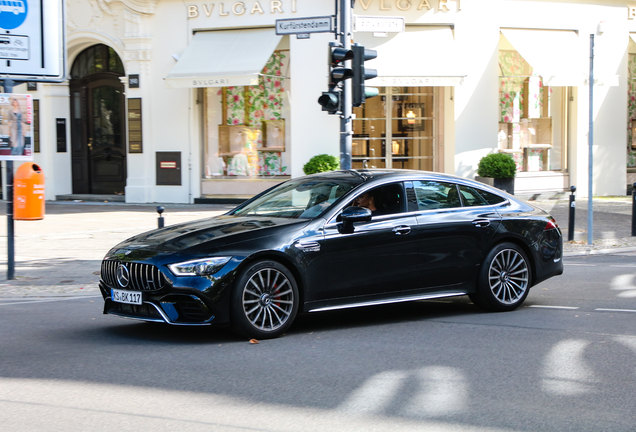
x: 387, y: 174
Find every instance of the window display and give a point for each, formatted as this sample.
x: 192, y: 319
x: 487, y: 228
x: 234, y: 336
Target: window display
x: 396, y: 130
x: 529, y: 112
x: 631, y: 111
x: 245, y: 126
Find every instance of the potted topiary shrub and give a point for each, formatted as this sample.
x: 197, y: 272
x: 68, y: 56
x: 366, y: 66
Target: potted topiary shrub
x: 321, y: 163
x: 501, y: 168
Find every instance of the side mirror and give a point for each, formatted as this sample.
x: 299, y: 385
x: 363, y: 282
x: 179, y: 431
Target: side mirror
x: 353, y: 214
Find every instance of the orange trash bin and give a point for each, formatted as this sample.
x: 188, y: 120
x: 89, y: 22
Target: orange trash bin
x: 28, y: 192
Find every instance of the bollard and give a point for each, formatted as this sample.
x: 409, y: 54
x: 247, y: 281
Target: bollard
x: 634, y: 210
x: 572, y: 211
x: 160, y: 220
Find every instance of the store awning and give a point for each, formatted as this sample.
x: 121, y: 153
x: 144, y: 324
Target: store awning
x: 556, y: 55
x: 419, y: 57
x: 223, y: 58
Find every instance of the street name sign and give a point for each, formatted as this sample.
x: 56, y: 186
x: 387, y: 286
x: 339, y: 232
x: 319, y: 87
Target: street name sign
x: 378, y: 24
x: 289, y: 26
x: 32, y: 42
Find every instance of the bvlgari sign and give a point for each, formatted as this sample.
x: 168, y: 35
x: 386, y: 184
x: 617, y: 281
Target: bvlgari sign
x: 279, y: 7
x: 257, y: 7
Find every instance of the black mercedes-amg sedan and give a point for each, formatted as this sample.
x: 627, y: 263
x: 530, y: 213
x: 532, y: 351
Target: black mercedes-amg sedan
x: 335, y: 240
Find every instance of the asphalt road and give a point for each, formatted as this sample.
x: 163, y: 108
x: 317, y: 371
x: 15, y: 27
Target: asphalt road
x: 563, y: 362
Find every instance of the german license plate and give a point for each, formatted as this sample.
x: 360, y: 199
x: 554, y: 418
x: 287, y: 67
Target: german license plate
x: 129, y: 297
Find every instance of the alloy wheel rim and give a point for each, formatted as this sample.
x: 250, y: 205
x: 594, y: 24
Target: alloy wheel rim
x: 268, y: 299
x: 508, y: 276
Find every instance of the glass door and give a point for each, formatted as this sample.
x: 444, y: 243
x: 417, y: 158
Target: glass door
x: 396, y: 130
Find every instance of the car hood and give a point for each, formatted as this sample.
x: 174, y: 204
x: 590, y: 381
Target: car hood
x: 204, y: 234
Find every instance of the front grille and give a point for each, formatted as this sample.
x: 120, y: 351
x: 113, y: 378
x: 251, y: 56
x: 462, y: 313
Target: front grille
x: 142, y: 277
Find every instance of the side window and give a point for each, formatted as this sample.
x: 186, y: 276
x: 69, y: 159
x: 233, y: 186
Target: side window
x: 471, y: 197
x: 383, y: 200
x: 489, y: 197
x: 432, y: 195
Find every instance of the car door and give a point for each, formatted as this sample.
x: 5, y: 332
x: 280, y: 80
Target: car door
x: 378, y: 257
x: 452, y: 236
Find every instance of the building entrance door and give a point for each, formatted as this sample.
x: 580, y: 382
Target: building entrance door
x: 98, y: 124
x: 398, y: 129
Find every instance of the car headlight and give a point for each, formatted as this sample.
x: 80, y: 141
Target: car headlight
x: 200, y: 267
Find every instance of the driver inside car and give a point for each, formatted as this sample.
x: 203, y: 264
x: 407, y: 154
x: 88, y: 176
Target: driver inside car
x: 366, y: 200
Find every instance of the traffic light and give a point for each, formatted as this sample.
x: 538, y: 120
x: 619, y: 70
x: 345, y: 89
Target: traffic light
x: 331, y: 101
x: 360, y: 74
x: 337, y: 72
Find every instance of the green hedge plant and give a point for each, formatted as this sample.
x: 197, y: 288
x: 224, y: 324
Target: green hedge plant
x: 497, y: 165
x: 321, y: 163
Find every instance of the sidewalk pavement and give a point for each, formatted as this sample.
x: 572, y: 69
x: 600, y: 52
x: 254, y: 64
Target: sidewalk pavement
x: 61, y: 254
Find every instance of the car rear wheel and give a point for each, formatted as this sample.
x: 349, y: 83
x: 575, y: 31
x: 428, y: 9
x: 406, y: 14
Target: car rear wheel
x: 264, y: 301
x: 504, y: 279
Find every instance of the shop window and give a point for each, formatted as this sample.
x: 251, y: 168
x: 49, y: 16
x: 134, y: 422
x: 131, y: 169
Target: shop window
x: 631, y: 126
x: 396, y: 130
x: 532, y: 123
x: 246, y: 129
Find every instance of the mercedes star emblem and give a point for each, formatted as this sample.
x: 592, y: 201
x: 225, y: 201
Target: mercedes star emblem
x: 123, y: 275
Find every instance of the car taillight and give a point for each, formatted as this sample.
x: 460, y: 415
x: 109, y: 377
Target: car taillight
x: 550, y: 225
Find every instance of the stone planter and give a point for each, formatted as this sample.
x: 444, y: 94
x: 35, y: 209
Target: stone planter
x: 505, y: 184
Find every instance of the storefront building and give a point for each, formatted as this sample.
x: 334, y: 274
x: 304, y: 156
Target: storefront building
x: 173, y: 101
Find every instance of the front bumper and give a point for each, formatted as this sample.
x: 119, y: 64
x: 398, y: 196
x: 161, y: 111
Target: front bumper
x: 171, y: 308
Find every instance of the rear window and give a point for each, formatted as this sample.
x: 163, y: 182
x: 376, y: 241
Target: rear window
x: 490, y: 198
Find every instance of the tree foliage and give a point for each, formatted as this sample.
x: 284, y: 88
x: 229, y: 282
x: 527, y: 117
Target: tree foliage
x: 321, y: 163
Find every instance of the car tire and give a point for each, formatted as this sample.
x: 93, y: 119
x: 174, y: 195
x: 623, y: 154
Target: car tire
x: 504, y: 279
x: 264, y: 301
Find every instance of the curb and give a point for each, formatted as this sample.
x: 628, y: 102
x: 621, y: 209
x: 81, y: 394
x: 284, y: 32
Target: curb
x: 599, y: 252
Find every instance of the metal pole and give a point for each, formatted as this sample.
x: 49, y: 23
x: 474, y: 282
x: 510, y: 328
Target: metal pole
x: 572, y: 214
x: 345, y: 119
x: 160, y: 221
x: 8, y: 88
x: 590, y: 138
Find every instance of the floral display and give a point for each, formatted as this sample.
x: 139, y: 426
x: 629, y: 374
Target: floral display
x: 251, y: 105
x: 631, y: 68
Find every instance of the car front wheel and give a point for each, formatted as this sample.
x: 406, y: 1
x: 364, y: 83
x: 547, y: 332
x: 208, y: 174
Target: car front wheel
x: 264, y: 301
x: 504, y: 279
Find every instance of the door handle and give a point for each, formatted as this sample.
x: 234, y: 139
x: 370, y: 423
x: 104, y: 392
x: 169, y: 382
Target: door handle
x: 481, y: 223
x: 402, y: 230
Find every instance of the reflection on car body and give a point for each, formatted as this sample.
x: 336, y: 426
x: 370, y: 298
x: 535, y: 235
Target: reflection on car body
x: 301, y: 247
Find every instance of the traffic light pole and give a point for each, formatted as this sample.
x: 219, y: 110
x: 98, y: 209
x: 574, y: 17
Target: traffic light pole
x: 346, y: 123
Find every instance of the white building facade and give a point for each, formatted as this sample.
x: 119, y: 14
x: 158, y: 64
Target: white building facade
x: 173, y: 101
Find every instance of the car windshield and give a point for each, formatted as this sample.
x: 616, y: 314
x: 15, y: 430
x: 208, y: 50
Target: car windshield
x: 305, y: 198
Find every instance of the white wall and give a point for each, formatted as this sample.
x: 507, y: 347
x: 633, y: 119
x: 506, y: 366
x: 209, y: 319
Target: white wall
x: 313, y: 131
x: 477, y: 100
x: 172, y: 112
x: 610, y: 104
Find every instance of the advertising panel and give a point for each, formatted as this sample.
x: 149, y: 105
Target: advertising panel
x: 16, y: 131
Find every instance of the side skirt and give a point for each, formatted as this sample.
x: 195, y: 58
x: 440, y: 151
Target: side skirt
x: 389, y: 300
